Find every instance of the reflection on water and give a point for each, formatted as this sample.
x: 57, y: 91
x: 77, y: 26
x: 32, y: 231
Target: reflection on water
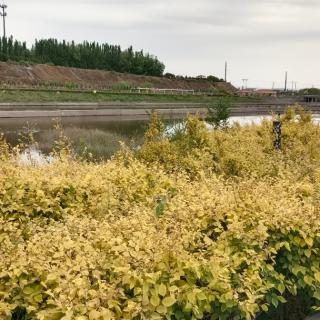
x: 94, y: 135
x: 33, y: 156
x: 12, y: 128
x: 248, y: 120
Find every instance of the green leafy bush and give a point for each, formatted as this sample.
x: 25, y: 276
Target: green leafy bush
x: 219, y: 113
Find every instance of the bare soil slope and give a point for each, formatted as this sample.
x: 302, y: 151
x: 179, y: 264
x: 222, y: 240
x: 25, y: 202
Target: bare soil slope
x: 20, y: 75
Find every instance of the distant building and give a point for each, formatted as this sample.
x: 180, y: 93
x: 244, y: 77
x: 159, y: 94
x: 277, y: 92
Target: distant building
x: 266, y: 92
x: 311, y: 98
x: 246, y: 92
x: 257, y: 93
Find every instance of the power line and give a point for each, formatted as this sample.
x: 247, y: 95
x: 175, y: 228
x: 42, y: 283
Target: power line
x: 3, y: 14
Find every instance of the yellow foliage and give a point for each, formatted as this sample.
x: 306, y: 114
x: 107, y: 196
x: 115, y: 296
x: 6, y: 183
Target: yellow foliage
x: 201, y: 223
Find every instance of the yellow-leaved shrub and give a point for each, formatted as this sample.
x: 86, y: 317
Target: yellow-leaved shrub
x: 200, y: 225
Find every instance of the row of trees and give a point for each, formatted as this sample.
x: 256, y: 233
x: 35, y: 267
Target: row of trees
x: 311, y: 91
x: 201, y: 77
x: 87, y: 55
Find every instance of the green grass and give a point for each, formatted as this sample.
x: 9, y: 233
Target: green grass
x: 53, y: 96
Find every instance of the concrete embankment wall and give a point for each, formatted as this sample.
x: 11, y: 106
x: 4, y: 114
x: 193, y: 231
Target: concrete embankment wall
x: 110, y: 110
x: 129, y: 111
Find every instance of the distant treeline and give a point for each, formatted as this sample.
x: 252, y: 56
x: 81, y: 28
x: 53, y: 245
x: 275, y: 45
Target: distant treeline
x: 87, y: 55
x: 311, y: 91
x: 178, y: 77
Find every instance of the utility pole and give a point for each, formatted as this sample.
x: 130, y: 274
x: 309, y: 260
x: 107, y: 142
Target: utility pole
x: 3, y: 14
x: 244, y: 84
x: 286, y: 82
x: 225, y: 71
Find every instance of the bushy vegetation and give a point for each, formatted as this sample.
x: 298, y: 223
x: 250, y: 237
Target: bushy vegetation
x: 311, y: 91
x: 210, y: 78
x: 219, y: 113
x: 87, y: 55
x: 197, y: 225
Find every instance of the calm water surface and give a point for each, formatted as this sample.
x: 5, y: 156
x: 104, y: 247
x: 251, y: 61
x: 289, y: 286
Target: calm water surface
x: 13, y: 128
x: 98, y: 135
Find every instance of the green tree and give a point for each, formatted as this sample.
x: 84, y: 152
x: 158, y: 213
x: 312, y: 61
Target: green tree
x: 219, y: 114
x: 87, y: 55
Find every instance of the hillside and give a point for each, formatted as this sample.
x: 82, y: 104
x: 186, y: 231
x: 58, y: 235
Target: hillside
x: 40, y: 74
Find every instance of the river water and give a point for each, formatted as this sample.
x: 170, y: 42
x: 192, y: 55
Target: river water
x: 95, y: 135
x: 98, y: 136
x: 12, y: 128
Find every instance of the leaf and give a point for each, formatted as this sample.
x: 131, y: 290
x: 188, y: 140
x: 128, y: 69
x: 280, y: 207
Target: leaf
x: 32, y: 289
x: 106, y: 314
x: 316, y: 295
x: 94, y: 315
x: 156, y: 316
x: 160, y: 208
x: 308, y: 253
x: 201, y: 296
x: 309, y: 241
x: 168, y: 301
x: 282, y: 299
x: 308, y: 280
x: 287, y: 246
x: 161, y: 309
x: 192, y: 297
x: 274, y: 301
x: 54, y: 314
x: 197, y: 312
x: 38, y: 298
x: 137, y: 291
x: 28, y: 290
x: 317, y: 276
x: 162, y: 290
x: 155, y: 301
x: 281, y: 288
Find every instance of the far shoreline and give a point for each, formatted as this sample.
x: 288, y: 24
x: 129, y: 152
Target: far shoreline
x: 141, y: 110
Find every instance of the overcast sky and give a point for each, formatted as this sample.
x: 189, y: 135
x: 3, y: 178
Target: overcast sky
x: 260, y: 39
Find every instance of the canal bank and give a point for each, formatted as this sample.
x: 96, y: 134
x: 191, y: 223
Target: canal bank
x: 141, y: 111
